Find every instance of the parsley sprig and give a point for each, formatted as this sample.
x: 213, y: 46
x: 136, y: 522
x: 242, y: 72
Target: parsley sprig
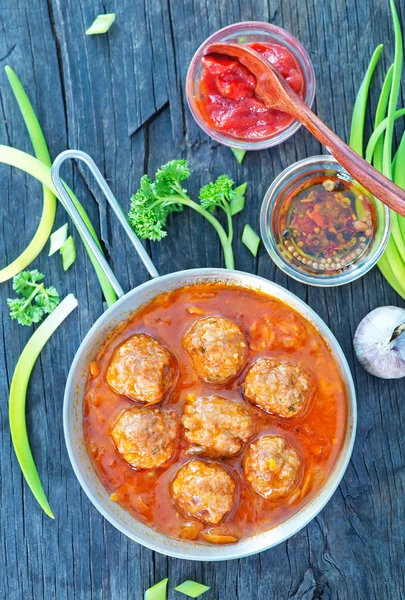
x: 36, y: 301
x: 156, y: 200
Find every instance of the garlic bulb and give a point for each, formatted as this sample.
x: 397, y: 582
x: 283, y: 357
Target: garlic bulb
x: 379, y: 342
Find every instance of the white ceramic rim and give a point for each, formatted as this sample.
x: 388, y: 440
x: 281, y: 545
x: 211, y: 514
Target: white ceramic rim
x: 92, y: 486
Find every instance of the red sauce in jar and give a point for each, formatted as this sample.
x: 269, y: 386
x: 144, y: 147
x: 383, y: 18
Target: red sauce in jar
x: 226, y: 94
x: 273, y: 329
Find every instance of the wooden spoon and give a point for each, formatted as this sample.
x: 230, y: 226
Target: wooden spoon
x: 275, y: 92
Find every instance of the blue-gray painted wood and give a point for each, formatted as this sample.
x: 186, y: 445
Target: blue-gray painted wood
x: 120, y: 98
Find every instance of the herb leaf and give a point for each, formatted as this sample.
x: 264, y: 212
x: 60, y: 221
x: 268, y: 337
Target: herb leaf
x: 24, y: 282
x: 156, y: 199
x: 25, y: 315
x: 152, y: 203
x: 36, y: 301
x: 217, y: 193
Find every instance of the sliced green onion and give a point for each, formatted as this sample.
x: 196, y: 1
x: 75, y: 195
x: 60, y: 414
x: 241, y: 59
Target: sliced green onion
x: 360, y: 105
x: 239, y: 154
x: 250, y: 239
x: 58, y: 238
x: 241, y: 189
x: 36, y: 135
x: 157, y: 591
x: 32, y: 166
x: 101, y: 24
x: 68, y: 252
x: 237, y: 204
x: 238, y: 201
x: 191, y: 588
x: 18, y: 395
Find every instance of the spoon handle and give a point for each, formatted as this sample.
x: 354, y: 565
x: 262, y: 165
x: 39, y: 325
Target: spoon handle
x: 374, y: 181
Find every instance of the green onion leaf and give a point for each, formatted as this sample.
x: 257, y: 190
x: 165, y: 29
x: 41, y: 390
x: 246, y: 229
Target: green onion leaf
x: 58, y: 238
x: 395, y: 89
x: 18, y: 396
x: 191, y: 588
x: 399, y: 179
x: 390, y: 264
x: 101, y: 24
x: 380, y: 114
x: 360, y: 105
x: 49, y: 199
x: 250, y: 239
x: 32, y: 166
x: 387, y: 148
x: 376, y: 137
x: 157, y: 591
x: 68, y: 252
x: 239, y: 154
x: 399, y: 163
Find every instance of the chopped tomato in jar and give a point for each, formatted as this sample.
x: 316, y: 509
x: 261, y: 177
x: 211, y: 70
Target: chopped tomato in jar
x: 226, y: 94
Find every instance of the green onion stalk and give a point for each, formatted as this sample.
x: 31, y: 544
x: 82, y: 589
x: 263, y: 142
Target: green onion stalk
x: 21, y: 160
x: 379, y: 150
x: 18, y: 395
x: 32, y: 166
x: 49, y: 199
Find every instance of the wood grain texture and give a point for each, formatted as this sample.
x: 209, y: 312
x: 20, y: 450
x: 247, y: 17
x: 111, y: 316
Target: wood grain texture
x: 120, y: 98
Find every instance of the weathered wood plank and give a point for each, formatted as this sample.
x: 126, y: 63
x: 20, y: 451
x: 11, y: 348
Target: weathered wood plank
x: 90, y: 93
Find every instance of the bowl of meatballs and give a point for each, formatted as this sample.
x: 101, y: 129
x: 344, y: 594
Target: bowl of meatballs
x: 209, y: 414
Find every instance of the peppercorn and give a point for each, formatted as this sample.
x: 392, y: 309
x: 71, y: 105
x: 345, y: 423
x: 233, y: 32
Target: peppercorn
x: 347, y: 235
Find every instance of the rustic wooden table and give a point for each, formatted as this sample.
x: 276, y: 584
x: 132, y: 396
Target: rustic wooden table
x: 120, y: 97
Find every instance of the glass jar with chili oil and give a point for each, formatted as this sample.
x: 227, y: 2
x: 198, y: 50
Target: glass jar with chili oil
x: 320, y: 226
x: 221, y: 92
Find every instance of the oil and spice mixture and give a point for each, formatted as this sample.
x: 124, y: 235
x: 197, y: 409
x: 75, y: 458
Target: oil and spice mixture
x: 327, y: 223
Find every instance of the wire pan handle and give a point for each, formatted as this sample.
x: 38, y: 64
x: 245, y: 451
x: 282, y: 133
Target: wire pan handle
x: 80, y: 224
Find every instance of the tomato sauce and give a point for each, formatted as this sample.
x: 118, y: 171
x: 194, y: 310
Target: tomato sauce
x: 226, y: 94
x: 273, y: 329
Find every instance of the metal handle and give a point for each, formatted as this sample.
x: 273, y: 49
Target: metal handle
x: 80, y: 224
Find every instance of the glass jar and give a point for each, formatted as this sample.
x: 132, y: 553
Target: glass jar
x: 245, y: 33
x: 282, y: 188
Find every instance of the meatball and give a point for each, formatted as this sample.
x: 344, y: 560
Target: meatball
x: 203, y: 490
x: 277, y: 387
x: 272, y: 468
x: 217, y: 348
x: 146, y: 437
x: 142, y: 369
x: 216, y: 426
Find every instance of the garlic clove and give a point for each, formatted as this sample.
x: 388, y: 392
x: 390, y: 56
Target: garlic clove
x: 379, y: 342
